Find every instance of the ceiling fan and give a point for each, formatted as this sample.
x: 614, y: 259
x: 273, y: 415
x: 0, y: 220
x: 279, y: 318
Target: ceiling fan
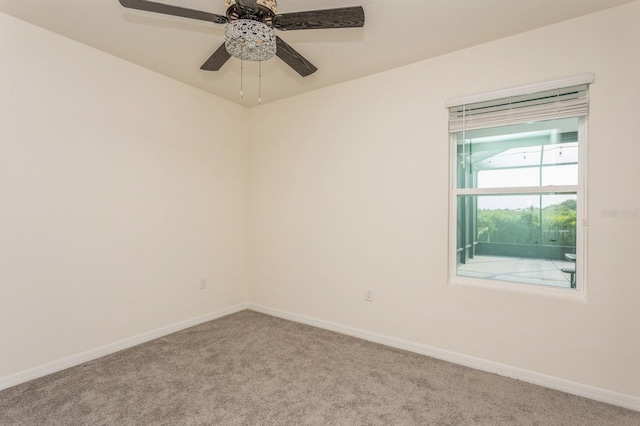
x: 252, y: 22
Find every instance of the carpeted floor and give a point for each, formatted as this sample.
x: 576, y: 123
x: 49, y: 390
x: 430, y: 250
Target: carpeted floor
x: 253, y: 369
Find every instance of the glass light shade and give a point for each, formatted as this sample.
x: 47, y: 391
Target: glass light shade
x: 250, y: 40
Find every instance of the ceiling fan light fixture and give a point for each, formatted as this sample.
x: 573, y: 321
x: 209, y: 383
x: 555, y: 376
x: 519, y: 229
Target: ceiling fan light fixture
x: 250, y: 40
x: 272, y: 5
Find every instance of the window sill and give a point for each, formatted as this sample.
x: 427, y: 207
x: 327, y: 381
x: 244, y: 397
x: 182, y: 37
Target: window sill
x: 558, y: 293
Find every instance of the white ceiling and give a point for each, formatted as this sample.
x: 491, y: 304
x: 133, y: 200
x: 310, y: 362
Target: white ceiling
x: 396, y: 33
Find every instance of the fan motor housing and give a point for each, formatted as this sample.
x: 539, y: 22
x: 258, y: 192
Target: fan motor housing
x: 264, y: 11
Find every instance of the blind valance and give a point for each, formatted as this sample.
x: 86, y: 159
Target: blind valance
x: 549, y: 104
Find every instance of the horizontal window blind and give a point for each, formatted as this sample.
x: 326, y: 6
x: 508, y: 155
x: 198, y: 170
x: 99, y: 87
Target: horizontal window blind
x: 545, y: 105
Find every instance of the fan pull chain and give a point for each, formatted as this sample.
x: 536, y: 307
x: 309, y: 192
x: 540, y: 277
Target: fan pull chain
x: 241, y: 78
x: 260, y: 83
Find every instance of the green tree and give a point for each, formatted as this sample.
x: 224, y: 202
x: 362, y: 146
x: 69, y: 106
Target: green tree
x: 523, y: 226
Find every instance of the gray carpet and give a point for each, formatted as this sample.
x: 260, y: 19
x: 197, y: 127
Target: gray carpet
x: 253, y: 369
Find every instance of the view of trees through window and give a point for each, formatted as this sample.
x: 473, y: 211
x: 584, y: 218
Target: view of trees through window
x: 551, y: 225
x: 517, y: 202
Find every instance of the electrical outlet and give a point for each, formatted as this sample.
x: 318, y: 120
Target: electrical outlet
x: 368, y: 295
x: 203, y: 283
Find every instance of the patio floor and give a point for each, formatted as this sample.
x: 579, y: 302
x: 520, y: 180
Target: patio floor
x: 529, y: 271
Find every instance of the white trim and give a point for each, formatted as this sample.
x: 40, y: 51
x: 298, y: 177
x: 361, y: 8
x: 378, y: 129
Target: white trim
x: 518, y: 190
x: 558, y: 293
x: 453, y: 208
x: 90, y: 355
x: 579, y: 294
x: 582, y: 217
x: 579, y: 389
x: 575, y: 80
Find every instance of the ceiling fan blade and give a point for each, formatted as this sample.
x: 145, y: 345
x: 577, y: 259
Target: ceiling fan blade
x: 345, y: 17
x: 168, y: 9
x: 294, y: 59
x: 217, y: 60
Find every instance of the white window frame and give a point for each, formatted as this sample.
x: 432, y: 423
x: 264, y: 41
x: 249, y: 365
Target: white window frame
x: 580, y: 292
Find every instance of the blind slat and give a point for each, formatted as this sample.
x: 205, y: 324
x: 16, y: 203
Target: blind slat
x: 547, y: 105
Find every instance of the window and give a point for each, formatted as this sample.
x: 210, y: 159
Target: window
x: 518, y: 187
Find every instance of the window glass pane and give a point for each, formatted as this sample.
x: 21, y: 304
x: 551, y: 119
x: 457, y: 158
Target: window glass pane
x: 560, y: 175
x: 509, y: 178
x: 523, y: 238
x: 524, y: 155
x: 561, y: 153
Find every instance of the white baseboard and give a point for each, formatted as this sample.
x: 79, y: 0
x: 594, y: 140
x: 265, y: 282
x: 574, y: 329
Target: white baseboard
x: 591, y: 392
x: 81, y: 358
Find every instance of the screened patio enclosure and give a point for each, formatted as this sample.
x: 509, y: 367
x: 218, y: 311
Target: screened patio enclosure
x: 517, y: 198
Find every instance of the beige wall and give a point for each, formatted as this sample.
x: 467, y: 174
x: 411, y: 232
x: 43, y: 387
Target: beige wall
x: 349, y: 190
x: 119, y: 190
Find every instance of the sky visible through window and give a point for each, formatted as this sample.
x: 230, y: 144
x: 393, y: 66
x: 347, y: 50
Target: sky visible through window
x: 528, y: 155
